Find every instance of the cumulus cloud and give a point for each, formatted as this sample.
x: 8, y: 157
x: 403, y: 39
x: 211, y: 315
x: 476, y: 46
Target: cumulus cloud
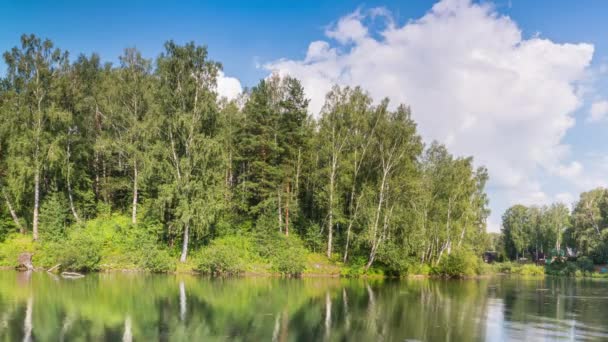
x: 473, y: 82
x: 228, y: 87
x: 599, y: 111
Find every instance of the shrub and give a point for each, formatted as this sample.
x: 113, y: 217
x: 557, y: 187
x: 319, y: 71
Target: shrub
x: 221, y: 259
x: 286, y: 254
x: 530, y: 270
x: 355, y: 268
x: 459, y: 263
x: 505, y: 267
x: 585, y: 264
x: 226, y: 256
x: 289, y: 257
x: 15, y: 244
x: 53, y: 217
x: 157, y: 260
x: 419, y: 269
x: 81, y: 252
x: 567, y: 269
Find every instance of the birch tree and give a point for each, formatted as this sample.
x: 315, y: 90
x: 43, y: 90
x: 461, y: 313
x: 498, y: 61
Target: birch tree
x: 31, y: 72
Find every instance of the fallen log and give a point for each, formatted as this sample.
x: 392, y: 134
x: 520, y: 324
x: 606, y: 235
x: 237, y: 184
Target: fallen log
x: 53, y: 268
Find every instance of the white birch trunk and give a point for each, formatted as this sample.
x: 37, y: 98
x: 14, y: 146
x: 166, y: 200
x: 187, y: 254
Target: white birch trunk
x: 135, y: 194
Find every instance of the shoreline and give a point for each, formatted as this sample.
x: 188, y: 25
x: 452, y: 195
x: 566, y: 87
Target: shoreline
x: 278, y: 275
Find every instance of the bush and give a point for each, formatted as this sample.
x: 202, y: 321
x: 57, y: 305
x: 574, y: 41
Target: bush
x: 81, y: 252
x: 460, y: 263
x: 355, y: 268
x: 585, y: 264
x: 157, y: 260
x: 54, y: 214
x: 567, y: 269
x: 15, y: 244
x: 289, y: 257
x: 530, y: 270
x: 419, y: 269
x: 505, y: 267
x: 226, y: 256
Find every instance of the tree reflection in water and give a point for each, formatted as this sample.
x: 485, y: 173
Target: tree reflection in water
x: 183, y: 308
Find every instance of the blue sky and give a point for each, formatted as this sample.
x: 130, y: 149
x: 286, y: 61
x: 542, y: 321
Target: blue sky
x: 532, y: 128
x: 243, y: 33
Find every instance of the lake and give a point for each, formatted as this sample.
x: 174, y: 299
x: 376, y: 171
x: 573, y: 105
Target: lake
x: 137, y: 307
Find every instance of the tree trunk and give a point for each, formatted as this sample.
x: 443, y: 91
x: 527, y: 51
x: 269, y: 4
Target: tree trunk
x: 96, y: 165
x: 134, y: 214
x: 106, y: 194
x: 443, y: 248
x: 36, y: 203
x: 96, y: 175
x: 448, y: 227
x: 330, y: 223
x: 13, y: 213
x: 287, y: 211
x: 279, y: 211
x: 350, y: 224
x: 185, y: 244
x: 376, y: 221
x: 69, y: 185
x: 557, y: 242
x: 297, y: 180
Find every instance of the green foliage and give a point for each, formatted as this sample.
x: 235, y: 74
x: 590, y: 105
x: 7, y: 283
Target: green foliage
x: 137, y: 161
x: 419, y: 269
x: 103, y: 244
x: 15, y: 244
x: 227, y: 256
x: 459, y: 263
x: 356, y: 268
x: 157, y: 260
x: 53, y: 218
x: 289, y: 256
x: 567, y: 269
x: 529, y: 270
x: 81, y: 252
x: 506, y: 267
x: 585, y: 264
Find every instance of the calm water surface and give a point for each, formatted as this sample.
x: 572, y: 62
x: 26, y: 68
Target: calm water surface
x: 135, y: 307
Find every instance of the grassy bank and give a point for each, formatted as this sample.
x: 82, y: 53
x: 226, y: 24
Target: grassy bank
x: 581, y: 268
x: 113, y: 244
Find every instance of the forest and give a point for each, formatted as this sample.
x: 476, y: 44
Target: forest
x: 142, y: 165
x: 555, y: 230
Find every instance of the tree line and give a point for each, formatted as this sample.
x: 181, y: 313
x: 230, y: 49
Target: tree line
x: 551, y: 230
x: 153, y: 140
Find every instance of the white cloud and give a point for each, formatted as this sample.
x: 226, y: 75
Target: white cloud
x: 599, y: 111
x: 473, y: 82
x: 348, y: 29
x: 228, y: 87
x: 570, y: 171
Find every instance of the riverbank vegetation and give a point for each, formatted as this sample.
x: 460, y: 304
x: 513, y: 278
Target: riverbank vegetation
x: 569, y: 242
x: 141, y: 165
